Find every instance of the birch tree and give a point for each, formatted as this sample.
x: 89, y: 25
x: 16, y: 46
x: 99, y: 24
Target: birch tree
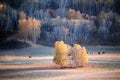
x: 29, y: 28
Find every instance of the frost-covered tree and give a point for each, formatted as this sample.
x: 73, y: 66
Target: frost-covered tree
x: 62, y: 10
x: 22, y: 15
x: 72, y: 14
x: 31, y: 8
x: 11, y: 18
x: 105, y: 22
x: 76, y: 29
x: 79, y: 56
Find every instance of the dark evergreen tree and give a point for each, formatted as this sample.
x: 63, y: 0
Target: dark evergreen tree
x: 117, y: 6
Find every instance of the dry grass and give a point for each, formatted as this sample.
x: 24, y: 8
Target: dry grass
x: 50, y: 71
x: 105, y: 57
x: 22, y: 58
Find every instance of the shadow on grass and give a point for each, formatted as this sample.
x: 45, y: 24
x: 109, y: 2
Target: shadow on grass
x: 38, y: 72
x: 28, y: 69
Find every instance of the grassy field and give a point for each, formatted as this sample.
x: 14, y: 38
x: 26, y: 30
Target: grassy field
x: 100, y: 67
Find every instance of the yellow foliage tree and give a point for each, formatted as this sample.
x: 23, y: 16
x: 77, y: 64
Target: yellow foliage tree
x: 61, y: 54
x: 79, y: 56
x: 29, y: 27
x: 76, y: 46
x: 1, y: 7
x: 85, y: 55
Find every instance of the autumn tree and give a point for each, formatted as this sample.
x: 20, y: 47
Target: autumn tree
x: 29, y: 27
x: 79, y: 56
x: 66, y: 55
x: 61, y: 54
x: 1, y: 7
x: 72, y: 14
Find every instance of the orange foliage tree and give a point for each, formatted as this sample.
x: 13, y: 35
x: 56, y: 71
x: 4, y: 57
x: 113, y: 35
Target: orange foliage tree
x: 29, y: 27
x: 1, y: 7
